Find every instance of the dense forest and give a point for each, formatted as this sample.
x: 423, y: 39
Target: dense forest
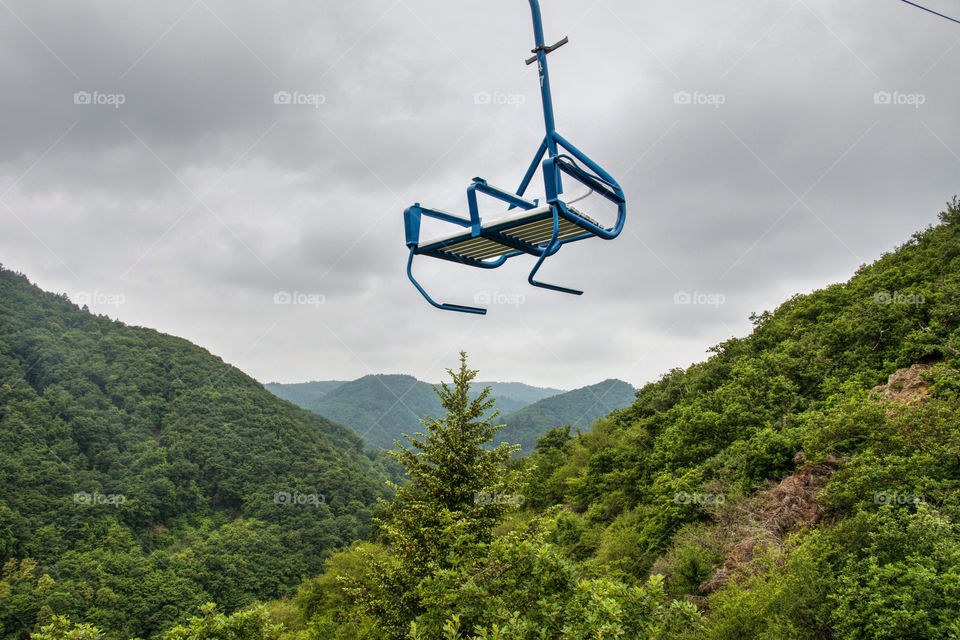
x: 141, y: 476
x: 801, y: 483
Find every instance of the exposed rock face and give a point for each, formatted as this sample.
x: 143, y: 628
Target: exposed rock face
x: 793, y: 502
x: 904, y: 386
x: 766, y: 518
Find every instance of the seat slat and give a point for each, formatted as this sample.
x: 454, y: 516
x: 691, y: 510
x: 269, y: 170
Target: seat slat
x: 537, y: 231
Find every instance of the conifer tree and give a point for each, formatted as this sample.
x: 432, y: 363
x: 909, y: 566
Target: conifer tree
x: 456, y: 495
x: 449, y: 465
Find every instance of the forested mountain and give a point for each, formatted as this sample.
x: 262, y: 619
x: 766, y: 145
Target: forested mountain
x: 379, y: 407
x: 140, y: 476
x: 802, y: 483
x: 577, y: 408
x: 382, y: 407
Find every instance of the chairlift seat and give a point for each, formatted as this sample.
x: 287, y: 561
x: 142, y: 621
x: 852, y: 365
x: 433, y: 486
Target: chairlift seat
x: 528, y: 227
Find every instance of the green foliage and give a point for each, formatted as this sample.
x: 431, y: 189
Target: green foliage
x: 736, y: 422
x: 893, y: 573
x: 303, y: 394
x: 138, y: 475
x: 60, y: 628
x: 786, y: 596
x: 379, y: 407
x: 449, y: 501
x: 690, y: 562
x: 856, y: 538
x: 445, y: 569
x: 250, y: 624
x: 326, y: 607
x: 904, y: 579
x: 521, y: 588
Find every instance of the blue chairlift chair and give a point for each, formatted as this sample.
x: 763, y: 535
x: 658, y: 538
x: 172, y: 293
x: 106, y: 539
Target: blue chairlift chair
x: 527, y: 227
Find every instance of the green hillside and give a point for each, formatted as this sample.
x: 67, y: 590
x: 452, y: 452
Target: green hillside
x: 789, y: 485
x: 140, y: 476
x: 577, y: 408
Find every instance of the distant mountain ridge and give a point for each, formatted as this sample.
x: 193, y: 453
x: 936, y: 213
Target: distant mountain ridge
x: 303, y: 393
x: 381, y: 407
x: 577, y: 408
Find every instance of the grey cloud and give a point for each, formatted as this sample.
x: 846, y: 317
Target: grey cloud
x: 309, y: 200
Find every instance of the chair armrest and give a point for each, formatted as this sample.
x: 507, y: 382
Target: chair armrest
x: 412, y: 216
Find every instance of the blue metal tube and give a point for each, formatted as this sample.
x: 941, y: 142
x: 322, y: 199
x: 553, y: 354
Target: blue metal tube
x: 585, y: 159
x: 446, y: 307
x: 532, y: 169
x: 548, y: 119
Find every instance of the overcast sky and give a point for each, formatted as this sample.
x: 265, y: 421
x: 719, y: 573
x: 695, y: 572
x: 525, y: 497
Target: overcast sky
x: 766, y: 148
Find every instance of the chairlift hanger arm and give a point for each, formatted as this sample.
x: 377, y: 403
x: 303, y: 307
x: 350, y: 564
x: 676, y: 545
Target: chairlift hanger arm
x: 546, y: 49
